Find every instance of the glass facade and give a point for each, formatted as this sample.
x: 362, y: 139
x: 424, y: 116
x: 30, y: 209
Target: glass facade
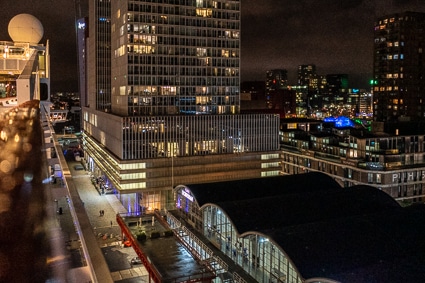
x: 255, y: 253
x: 103, y: 54
x: 160, y: 152
x: 163, y: 100
x: 167, y: 136
x: 176, y: 57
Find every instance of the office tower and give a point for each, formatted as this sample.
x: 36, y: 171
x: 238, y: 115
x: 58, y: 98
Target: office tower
x: 306, y: 73
x: 336, y: 89
x: 398, y: 71
x: 82, y: 34
x: 307, y: 87
x: 99, y: 56
x: 276, y: 79
x: 276, y: 82
x: 163, y: 100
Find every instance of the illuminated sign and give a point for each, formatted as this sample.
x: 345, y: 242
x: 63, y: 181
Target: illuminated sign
x: 340, y: 122
x: 187, y: 195
x: 81, y: 25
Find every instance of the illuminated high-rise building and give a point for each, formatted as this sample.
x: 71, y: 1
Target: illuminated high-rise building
x: 82, y: 34
x: 307, y: 75
x: 276, y: 79
x: 336, y: 90
x: 399, y: 67
x: 163, y: 100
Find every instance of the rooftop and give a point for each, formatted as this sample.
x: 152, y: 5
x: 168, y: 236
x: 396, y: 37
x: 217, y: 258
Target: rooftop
x: 355, y: 234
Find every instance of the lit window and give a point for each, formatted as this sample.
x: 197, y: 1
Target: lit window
x: 378, y: 178
x: 201, y: 52
x: 204, y: 12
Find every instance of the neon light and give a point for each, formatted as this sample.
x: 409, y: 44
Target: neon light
x: 340, y: 122
x: 187, y: 195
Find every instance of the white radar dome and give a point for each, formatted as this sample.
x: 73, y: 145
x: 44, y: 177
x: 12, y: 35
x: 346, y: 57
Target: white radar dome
x: 25, y: 28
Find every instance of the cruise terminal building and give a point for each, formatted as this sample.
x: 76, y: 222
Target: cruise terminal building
x: 300, y: 228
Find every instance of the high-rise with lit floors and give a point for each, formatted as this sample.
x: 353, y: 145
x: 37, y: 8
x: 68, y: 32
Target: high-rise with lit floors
x: 163, y: 100
x: 399, y: 67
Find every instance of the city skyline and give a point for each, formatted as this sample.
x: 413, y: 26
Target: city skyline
x: 273, y: 36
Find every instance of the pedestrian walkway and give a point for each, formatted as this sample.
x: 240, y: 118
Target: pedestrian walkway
x: 95, y: 203
x: 74, y: 223
x: 101, y: 212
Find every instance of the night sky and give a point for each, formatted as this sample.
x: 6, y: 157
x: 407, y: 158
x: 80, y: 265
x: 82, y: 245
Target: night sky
x: 335, y: 35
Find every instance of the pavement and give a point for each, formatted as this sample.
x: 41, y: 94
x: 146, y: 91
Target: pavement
x: 105, y: 228
x: 85, y: 245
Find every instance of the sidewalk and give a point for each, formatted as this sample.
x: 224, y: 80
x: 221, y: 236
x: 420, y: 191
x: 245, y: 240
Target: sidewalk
x: 99, y: 226
x: 73, y: 235
x: 94, y: 203
x: 70, y: 247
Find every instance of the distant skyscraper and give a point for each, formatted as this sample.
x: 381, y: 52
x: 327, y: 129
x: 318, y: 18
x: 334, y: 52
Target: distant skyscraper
x: 336, y: 89
x: 163, y: 92
x: 307, y: 87
x: 306, y: 75
x: 399, y: 67
x: 276, y: 79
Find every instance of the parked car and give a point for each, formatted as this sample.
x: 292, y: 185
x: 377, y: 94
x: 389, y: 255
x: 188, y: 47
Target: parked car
x: 136, y: 261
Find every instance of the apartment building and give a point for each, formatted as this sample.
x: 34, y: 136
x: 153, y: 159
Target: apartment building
x: 163, y: 100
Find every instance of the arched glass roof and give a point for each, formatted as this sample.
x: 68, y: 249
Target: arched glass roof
x: 327, y: 231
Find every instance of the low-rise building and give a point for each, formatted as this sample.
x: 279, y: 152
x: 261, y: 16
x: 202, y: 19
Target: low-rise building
x: 393, y: 163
